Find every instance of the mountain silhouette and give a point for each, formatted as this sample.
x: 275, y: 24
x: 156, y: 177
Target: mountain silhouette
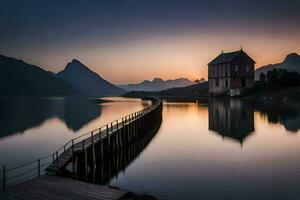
x: 191, y: 91
x: 18, y: 78
x: 20, y: 114
x: 290, y: 63
x: 87, y: 81
x: 157, y: 84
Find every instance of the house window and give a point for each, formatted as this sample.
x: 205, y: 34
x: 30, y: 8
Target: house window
x: 247, y: 69
x: 236, y: 70
x: 243, y: 81
x: 217, y: 82
x: 226, y: 82
x: 225, y: 71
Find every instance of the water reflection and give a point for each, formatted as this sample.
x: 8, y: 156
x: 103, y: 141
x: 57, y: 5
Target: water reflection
x: 282, y: 112
x: 18, y: 115
x: 231, y: 118
x: 108, y: 163
x: 234, y: 118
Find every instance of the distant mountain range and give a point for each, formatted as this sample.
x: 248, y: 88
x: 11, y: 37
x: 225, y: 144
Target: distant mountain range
x: 87, y: 81
x: 290, y: 63
x: 158, y: 84
x: 191, y: 91
x: 18, y: 78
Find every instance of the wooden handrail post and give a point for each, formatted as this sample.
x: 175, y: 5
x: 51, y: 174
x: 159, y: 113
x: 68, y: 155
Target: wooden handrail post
x: 107, y: 130
x: 73, y: 167
x: 57, y: 160
x: 3, y: 178
x: 92, y: 135
x: 72, y: 147
x: 39, y: 168
x: 99, y: 133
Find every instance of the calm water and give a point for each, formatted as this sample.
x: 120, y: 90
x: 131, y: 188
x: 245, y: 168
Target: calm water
x: 214, y: 150
x: 224, y: 150
x: 32, y: 128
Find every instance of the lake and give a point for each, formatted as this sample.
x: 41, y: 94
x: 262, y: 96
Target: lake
x: 218, y: 149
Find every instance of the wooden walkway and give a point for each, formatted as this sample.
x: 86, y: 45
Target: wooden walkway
x: 57, y: 188
x: 66, y: 156
x: 114, y: 136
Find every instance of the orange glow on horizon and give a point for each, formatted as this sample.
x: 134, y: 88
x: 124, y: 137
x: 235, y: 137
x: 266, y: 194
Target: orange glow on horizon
x: 170, y: 56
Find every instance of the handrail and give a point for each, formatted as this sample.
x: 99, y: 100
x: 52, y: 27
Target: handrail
x: 28, y: 163
x: 38, y: 165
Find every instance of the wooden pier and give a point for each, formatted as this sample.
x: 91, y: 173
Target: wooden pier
x: 107, y: 144
x: 53, y: 187
x: 111, y: 137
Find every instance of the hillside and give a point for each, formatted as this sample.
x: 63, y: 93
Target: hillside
x: 290, y: 63
x: 87, y: 81
x: 18, y: 78
x: 157, y: 84
x: 192, y: 91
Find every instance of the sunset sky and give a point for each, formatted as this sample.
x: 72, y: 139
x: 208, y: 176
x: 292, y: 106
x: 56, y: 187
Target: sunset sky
x: 127, y: 41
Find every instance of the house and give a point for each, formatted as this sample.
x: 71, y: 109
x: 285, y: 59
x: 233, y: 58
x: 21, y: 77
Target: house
x: 230, y: 73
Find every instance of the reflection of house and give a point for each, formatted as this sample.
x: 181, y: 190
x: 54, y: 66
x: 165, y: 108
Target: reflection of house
x: 230, y: 73
x: 232, y: 118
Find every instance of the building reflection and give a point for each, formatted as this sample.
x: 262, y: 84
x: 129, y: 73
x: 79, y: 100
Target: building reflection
x: 231, y: 118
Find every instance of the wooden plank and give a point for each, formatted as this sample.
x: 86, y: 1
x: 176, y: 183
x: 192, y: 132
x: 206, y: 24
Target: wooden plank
x: 58, y: 188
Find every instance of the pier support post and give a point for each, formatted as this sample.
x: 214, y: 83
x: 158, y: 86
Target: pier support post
x: 3, y: 178
x: 93, y: 149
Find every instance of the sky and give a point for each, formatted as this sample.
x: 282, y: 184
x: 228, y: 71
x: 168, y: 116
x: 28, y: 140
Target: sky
x: 127, y: 41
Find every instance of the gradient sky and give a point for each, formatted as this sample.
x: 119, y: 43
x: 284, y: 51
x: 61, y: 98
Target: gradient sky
x: 127, y: 41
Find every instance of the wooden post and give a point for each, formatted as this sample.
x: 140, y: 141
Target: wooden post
x: 100, y: 133
x: 39, y: 168
x: 113, y: 141
x: 83, y: 145
x: 57, y: 160
x: 3, y: 178
x: 102, y: 149
x: 73, y: 159
x: 108, y: 137
x: 85, y: 165
x: 117, y: 139
x: 93, y: 148
x: 92, y: 135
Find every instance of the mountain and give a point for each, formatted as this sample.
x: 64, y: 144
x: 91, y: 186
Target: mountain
x: 191, y: 91
x: 87, y: 81
x: 157, y: 84
x: 290, y: 63
x: 18, y: 78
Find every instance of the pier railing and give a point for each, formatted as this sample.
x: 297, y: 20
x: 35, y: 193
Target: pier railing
x: 14, y: 175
